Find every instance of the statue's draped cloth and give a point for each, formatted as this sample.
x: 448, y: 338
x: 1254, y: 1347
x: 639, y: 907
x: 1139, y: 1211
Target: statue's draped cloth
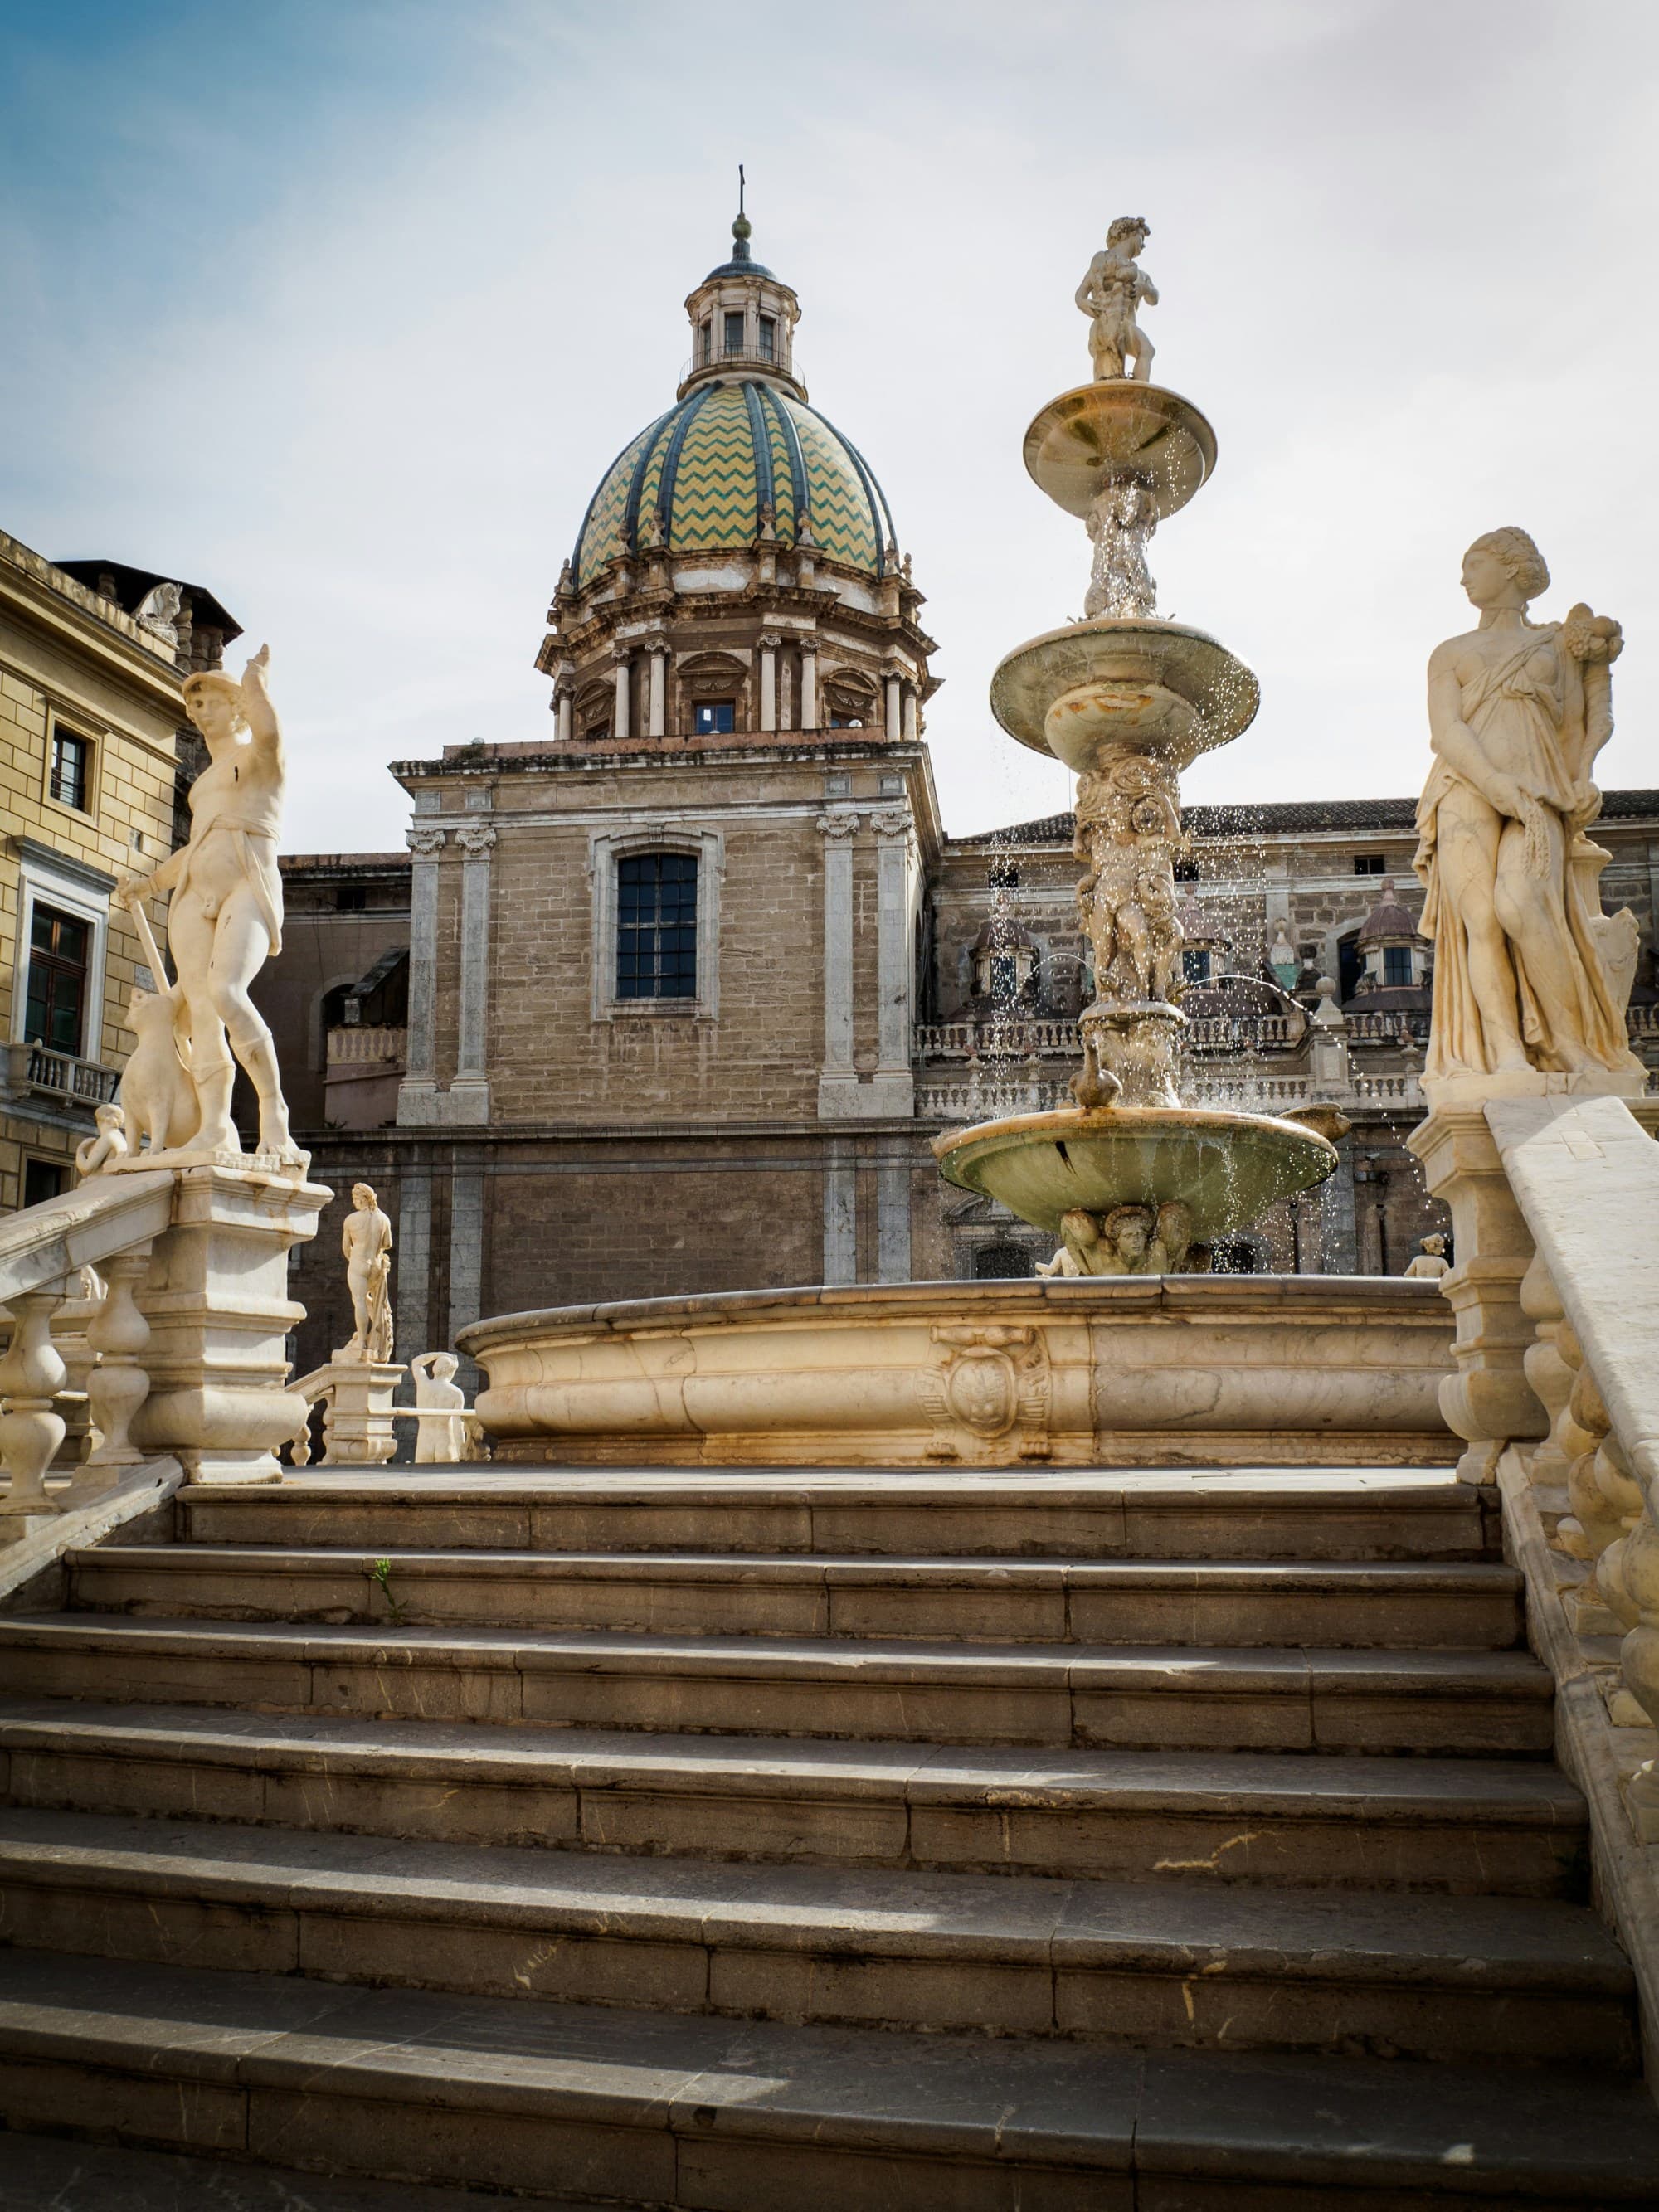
x: 256, y: 856
x: 1517, y: 716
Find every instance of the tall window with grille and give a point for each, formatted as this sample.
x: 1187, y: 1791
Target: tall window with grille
x: 657, y: 925
x: 71, y: 768
x: 55, y: 1014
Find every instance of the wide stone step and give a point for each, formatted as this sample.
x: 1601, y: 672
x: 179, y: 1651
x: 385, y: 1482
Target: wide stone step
x: 1469, y: 1827
x: 651, y: 2109
x: 1351, y: 1513
x: 1165, y: 1963
x: 1466, y: 1604
x: 1469, y: 1703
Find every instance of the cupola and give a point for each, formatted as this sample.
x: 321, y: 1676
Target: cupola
x: 743, y: 320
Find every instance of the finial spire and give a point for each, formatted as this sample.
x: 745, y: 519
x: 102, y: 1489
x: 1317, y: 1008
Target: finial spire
x: 741, y: 228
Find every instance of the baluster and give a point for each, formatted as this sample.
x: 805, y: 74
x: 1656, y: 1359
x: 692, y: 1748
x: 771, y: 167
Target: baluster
x: 31, y: 1375
x: 1552, y: 1361
x: 118, y: 1385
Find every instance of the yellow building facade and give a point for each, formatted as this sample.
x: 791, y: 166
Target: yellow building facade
x: 90, y: 708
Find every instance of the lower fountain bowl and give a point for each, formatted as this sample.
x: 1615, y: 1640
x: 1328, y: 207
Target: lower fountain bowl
x: 1227, y: 1168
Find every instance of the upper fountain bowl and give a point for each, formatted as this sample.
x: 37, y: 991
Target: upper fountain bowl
x: 1227, y: 1168
x: 1120, y: 427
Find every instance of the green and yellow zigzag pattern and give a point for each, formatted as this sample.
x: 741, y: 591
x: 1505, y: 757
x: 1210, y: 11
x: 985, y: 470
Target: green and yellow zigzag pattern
x: 714, y: 490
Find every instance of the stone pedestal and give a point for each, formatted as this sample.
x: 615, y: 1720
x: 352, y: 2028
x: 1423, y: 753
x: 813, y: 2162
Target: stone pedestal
x: 357, y: 1429
x: 216, y: 1297
x: 1489, y: 1402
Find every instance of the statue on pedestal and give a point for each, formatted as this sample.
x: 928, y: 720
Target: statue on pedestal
x: 226, y: 917
x: 439, y: 1442
x: 1114, y: 288
x: 1428, y: 1262
x: 366, y: 1240
x: 1529, y: 975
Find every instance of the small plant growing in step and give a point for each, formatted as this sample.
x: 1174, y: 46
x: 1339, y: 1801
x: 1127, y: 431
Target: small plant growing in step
x: 380, y: 1571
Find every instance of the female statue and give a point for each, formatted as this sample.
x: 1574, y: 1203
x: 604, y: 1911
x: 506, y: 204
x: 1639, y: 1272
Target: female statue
x: 1518, y: 714
x: 226, y: 917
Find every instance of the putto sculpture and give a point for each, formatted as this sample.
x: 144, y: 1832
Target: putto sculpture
x: 1530, y: 977
x: 226, y: 917
x: 1110, y: 294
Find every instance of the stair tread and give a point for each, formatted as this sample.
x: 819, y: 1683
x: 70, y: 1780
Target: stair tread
x: 1477, y: 1942
x: 1294, y: 2119
x: 1407, y: 1790
x: 1238, y: 1667
x: 976, y: 1570
x: 1438, y: 1485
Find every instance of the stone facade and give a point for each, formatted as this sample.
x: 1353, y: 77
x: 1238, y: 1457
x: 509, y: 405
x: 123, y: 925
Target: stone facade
x: 91, y: 716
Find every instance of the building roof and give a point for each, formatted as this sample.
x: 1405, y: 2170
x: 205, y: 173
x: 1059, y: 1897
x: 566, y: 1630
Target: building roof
x: 699, y: 477
x: 134, y: 585
x: 1359, y: 816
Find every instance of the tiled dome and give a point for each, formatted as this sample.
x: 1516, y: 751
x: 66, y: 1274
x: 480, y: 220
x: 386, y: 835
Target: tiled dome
x: 703, y: 473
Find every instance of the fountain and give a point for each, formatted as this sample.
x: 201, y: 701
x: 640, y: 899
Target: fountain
x: 1134, y: 1181
x: 1180, y: 1367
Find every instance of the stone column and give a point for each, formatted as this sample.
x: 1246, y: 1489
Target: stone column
x: 840, y: 1215
x: 1340, y: 1225
x: 416, y: 1092
x: 466, y: 1231
x: 469, y: 1094
x: 894, y: 1085
x: 566, y: 696
x: 893, y: 1220
x: 413, y: 1309
x: 620, y: 725
x: 809, y: 684
x: 770, y: 642
x: 216, y: 1297
x: 838, y: 1082
x: 895, y: 705
x: 912, y: 712
x: 658, y: 687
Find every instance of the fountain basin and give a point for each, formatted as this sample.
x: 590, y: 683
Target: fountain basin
x: 1089, y: 436
x: 1136, y: 1371
x: 1228, y: 1167
x: 1155, y: 687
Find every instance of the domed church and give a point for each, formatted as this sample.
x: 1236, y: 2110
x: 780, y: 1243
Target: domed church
x: 672, y: 998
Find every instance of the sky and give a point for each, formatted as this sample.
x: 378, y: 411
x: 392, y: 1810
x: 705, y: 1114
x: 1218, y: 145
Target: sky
x: 341, y: 308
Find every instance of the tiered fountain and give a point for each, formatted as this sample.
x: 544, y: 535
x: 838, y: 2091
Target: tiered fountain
x: 1188, y: 1368
x: 1133, y: 1181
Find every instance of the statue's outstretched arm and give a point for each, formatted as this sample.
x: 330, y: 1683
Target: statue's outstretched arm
x: 262, y: 722
x: 1149, y: 291
x: 1085, y: 293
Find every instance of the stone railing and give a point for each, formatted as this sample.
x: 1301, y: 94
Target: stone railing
x: 1643, y: 1021
x: 1244, y: 1033
x: 163, y: 1291
x: 59, y: 1075
x: 988, y: 1101
x: 366, y: 1045
x: 995, y: 1040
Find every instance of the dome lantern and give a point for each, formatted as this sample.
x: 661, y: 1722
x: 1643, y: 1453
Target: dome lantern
x: 742, y: 319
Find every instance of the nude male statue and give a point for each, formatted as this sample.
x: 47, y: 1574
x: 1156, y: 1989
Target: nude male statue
x: 1114, y: 288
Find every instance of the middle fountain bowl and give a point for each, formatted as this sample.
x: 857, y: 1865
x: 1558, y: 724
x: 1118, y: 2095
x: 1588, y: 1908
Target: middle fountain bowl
x: 1225, y: 1168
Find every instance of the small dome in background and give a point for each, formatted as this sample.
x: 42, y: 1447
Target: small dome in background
x: 1387, y: 922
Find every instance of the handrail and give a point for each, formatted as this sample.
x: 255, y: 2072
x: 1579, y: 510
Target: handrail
x: 81, y: 1228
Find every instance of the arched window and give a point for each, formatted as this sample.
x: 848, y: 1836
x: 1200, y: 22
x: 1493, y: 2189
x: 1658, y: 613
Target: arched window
x: 657, y: 925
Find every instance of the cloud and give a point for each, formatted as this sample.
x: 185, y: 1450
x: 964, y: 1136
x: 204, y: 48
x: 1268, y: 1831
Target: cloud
x: 343, y: 312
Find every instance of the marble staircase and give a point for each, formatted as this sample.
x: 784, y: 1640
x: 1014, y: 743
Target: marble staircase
x: 1028, y: 1841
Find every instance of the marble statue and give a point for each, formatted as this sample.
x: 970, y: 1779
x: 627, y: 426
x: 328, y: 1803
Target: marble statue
x: 1128, y: 1240
x: 1518, y: 711
x: 225, y: 914
x: 1428, y: 1262
x: 1282, y: 960
x: 93, y: 1155
x: 1120, y: 524
x: 439, y: 1442
x: 158, y: 613
x: 1110, y: 294
x: 157, y: 1098
x: 366, y: 1242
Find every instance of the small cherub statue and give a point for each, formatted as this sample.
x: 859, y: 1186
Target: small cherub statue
x: 366, y: 1240
x: 95, y: 1155
x: 436, y: 1390
x: 1430, y: 1261
x: 1114, y: 288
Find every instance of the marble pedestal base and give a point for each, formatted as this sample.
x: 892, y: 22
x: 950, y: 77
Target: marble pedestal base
x: 216, y: 1297
x: 357, y: 1429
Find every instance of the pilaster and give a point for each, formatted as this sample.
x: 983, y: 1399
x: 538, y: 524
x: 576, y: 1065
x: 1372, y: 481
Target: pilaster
x: 416, y: 1092
x: 838, y: 1082
x: 469, y: 1094
x: 894, y: 1085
